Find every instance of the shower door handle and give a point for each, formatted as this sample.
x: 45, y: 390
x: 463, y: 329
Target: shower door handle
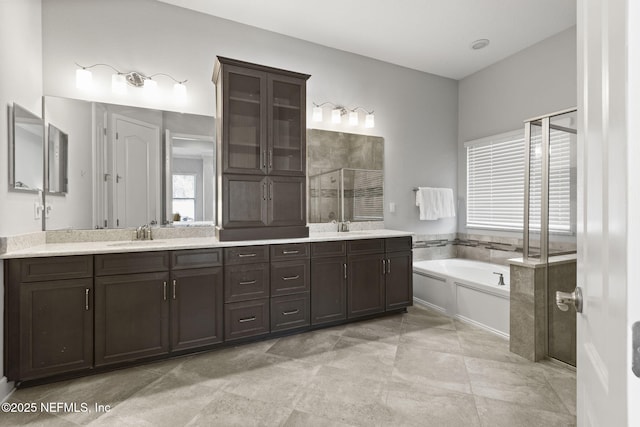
x: 565, y: 299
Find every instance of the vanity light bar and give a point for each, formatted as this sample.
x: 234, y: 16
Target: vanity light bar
x: 120, y: 81
x: 338, y: 111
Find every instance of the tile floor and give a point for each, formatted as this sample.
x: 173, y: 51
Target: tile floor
x: 413, y: 369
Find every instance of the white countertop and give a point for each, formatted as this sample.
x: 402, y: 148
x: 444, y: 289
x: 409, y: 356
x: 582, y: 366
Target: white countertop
x: 89, y: 248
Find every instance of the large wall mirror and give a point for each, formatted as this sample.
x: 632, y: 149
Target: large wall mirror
x: 26, y: 151
x: 346, y: 176
x: 129, y: 166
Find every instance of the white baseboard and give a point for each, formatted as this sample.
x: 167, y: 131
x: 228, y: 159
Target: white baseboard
x: 426, y: 304
x: 481, y: 325
x: 6, y: 388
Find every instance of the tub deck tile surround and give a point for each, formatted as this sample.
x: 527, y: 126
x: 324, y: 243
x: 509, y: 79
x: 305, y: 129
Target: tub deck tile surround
x: 318, y: 378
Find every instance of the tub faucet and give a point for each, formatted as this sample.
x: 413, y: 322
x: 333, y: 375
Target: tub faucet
x: 501, y: 279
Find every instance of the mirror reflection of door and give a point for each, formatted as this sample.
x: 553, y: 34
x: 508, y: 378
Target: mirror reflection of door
x: 135, y: 174
x: 191, y: 183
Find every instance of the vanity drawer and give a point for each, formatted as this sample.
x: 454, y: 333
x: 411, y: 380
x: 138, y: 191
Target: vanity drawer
x: 246, y: 282
x: 246, y: 254
x: 53, y: 268
x: 398, y: 244
x: 246, y: 319
x: 290, y: 311
x: 132, y: 262
x: 365, y: 246
x: 335, y: 248
x: 289, y: 251
x: 290, y: 277
x: 196, y: 258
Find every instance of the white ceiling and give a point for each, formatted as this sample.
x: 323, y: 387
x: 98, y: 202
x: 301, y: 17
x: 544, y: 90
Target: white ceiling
x: 433, y: 36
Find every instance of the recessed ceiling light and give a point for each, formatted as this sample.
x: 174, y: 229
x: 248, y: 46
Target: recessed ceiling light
x: 480, y: 44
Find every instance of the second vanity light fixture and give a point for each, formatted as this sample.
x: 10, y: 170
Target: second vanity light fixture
x: 337, y: 111
x: 120, y: 80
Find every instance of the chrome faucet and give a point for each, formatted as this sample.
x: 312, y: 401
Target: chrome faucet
x: 501, y: 279
x: 143, y: 232
x: 344, y: 226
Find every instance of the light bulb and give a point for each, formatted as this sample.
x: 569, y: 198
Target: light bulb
x: 336, y: 116
x: 317, y: 114
x: 369, y: 121
x: 83, y: 79
x: 118, y: 84
x: 353, y: 118
x: 180, y: 92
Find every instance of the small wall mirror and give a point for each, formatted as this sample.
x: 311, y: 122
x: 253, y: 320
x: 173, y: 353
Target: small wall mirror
x: 58, y: 148
x: 26, y: 151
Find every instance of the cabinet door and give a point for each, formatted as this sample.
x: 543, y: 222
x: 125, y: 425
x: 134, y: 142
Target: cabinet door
x: 287, y: 133
x: 328, y: 289
x: 287, y: 202
x: 365, y: 285
x: 196, y: 308
x: 244, y: 202
x: 56, y: 327
x: 244, y: 128
x: 132, y: 317
x: 399, y: 280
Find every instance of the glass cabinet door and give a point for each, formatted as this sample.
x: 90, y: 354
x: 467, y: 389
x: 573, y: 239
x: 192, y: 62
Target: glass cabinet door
x: 245, y: 121
x: 287, y: 133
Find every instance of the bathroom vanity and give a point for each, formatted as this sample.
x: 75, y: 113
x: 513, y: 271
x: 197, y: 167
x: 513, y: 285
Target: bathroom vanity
x: 77, y: 308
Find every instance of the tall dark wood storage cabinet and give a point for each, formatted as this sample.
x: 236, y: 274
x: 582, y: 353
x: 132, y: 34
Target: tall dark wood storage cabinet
x: 261, y: 151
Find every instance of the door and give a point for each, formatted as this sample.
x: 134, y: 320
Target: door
x: 244, y: 128
x: 286, y: 201
x: 365, y: 285
x: 136, y: 175
x: 131, y: 317
x: 244, y: 201
x: 196, y: 308
x: 399, y: 280
x: 56, y: 323
x: 286, y: 151
x: 328, y: 289
x: 608, y: 210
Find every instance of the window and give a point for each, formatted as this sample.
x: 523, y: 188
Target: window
x: 184, y: 196
x: 495, y: 182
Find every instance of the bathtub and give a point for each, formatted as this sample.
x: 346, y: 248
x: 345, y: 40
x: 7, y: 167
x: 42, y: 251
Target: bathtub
x: 466, y: 290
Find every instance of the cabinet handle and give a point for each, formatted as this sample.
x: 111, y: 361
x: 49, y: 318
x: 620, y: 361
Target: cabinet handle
x: 384, y: 266
x: 289, y: 313
x: 247, y: 319
x: 174, y: 289
x: 388, y: 266
x: 270, y: 159
x: 164, y: 290
x: 264, y: 158
x: 264, y: 191
x: 345, y: 270
x: 246, y: 255
x: 291, y: 277
x: 86, y: 299
x: 249, y: 282
x: 290, y: 252
x: 271, y: 191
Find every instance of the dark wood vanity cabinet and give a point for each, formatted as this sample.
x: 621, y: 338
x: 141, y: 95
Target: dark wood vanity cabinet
x: 329, y: 282
x: 261, y: 151
x: 132, y: 306
x: 398, y: 273
x: 197, y: 302
x: 49, y: 311
x: 72, y: 313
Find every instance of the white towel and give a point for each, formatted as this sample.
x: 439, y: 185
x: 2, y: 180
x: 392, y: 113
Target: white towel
x: 435, y: 203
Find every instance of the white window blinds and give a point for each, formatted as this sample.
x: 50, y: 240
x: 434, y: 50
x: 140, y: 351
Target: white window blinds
x: 495, y: 182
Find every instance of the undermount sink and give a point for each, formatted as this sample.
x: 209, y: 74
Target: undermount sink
x: 137, y: 243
